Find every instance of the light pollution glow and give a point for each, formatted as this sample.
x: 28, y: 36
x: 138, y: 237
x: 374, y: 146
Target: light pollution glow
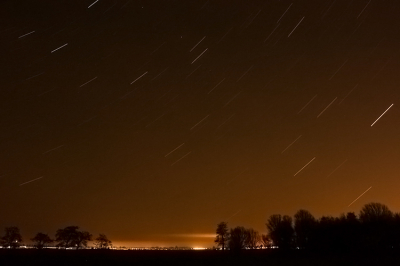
x: 200, y: 241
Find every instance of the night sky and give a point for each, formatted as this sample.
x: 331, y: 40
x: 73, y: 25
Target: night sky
x: 153, y: 121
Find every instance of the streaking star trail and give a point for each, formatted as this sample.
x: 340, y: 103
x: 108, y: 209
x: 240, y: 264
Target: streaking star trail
x: 359, y: 196
x: 30, y: 181
x: 381, y: 115
x: 304, y: 166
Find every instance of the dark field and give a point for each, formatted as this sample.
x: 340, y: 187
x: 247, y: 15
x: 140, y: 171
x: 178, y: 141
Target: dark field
x: 248, y: 257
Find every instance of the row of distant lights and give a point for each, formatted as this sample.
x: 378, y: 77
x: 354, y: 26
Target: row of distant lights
x: 26, y: 247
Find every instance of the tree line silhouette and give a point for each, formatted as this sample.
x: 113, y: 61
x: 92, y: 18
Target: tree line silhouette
x: 375, y: 227
x: 68, y: 237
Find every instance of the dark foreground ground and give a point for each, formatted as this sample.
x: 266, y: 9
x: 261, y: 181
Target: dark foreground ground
x: 248, y: 257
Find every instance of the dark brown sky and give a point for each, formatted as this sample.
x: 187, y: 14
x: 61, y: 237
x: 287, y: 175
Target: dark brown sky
x: 152, y: 121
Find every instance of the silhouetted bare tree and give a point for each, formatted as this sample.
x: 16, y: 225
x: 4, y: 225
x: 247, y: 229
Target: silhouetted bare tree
x: 237, y: 238
x: 266, y: 241
x: 395, y: 231
x: 304, y: 227
x: 67, y: 237
x: 102, y: 242
x: 349, y: 231
x: 280, y: 230
x: 71, y: 237
x: 82, y: 239
x: 222, y: 235
x: 376, y: 220
x: 12, y: 238
x: 326, y: 236
x: 253, y: 238
x: 375, y: 212
x: 41, y: 240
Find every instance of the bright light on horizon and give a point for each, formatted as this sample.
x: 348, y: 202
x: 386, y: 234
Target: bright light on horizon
x: 195, y: 241
x: 193, y: 235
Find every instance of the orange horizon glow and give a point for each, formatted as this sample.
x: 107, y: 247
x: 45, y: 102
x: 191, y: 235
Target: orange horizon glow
x: 198, y: 241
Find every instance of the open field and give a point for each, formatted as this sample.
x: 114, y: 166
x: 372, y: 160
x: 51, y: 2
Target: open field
x: 248, y: 257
